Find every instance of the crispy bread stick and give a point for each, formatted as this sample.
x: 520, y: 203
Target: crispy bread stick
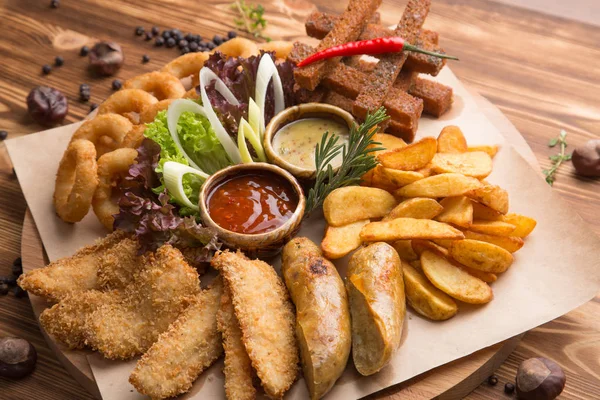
x: 238, y: 367
x: 351, y: 24
x: 190, y: 345
x: 383, y: 77
x: 437, y: 98
x: 319, y: 23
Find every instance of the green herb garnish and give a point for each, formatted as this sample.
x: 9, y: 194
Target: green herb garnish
x: 557, y: 159
x: 251, y: 19
x: 357, y: 159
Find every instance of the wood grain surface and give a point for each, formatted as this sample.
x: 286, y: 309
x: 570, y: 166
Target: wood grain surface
x: 540, y: 70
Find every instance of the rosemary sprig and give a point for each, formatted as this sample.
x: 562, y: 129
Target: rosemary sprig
x: 557, y: 159
x: 251, y: 19
x: 357, y: 159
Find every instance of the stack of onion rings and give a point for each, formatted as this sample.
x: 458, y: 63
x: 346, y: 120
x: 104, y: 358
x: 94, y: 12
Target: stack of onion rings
x: 161, y: 85
x: 128, y: 103
x: 112, y: 126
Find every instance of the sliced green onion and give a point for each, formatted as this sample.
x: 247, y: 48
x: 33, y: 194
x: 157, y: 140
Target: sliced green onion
x: 244, y: 129
x: 176, y: 108
x: 267, y: 71
x: 206, y: 77
x: 254, y: 117
x: 173, y: 173
x: 256, y: 138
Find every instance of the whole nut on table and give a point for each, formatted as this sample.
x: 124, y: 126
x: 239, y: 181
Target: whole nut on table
x: 106, y: 58
x: 17, y: 357
x: 47, y: 106
x: 540, y: 379
x: 586, y: 158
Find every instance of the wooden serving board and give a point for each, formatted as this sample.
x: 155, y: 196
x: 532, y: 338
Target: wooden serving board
x: 448, y: 382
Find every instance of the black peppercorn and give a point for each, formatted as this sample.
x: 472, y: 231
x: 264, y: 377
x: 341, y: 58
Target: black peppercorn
x: 175, y: 32
x: 145, y: 58
x: 8, y: 280
x: 84, y: 87
x: 59, y: 61
x: 159, y: 41
x: 166, y: 34
x: 155, y: 30
x: 18, y: 261
x: 197, y: 38
x: 84, y: 96
x: 170, y: 42
x: 218, y: 39
x: 3, y: 289
x: 509, y: 388
x: 46, y: 69
x: 185, y: 50
x: 84, y: 51
x: 231, y: 34
x: 139, y: 31
x: 93, y: 106
x: 46, y: 105
x: 17, y: 267
x: 19, y: 292
x: 210, y: 45
x: 149, y: 36
x: 3, y: 135
x: 190, y: 37
x: 55, y: 3
x: 116, y: 84
x: 493, y: 380
x: 193, y: 46
x: 182, y: 43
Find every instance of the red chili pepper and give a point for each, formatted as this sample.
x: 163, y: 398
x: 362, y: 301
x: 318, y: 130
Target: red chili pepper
x: 370, y: 47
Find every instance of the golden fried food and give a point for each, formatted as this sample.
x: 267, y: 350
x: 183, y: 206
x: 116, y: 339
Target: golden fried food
x: 377, y: 304
x: 425, y: 298
x: 190, y: 345
x: 161, y: 85
x: 124, y: 323
x: 149, y: 113
x: 118, y: 264
x: 238, y: 47
x: 340, y: 241
x: 134, y: 137
x: 111, y: 167
x: 322, y: 314
x: 266, y: 318
x: 76, y: 181
x: 281, y: 48
x: 102, y: 128
x: 186, y: 65
x: 70, y: 275
x: 238, y: 367
x: 354, y: 203
x: 128, y: 103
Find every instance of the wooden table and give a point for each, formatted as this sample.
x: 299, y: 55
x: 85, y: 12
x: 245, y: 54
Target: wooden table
x: 538, y: 69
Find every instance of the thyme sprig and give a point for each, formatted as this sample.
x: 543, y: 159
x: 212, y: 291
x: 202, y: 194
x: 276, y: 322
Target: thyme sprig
x: 557, y: 159
x: 357, y: 159
x: 251, y: 19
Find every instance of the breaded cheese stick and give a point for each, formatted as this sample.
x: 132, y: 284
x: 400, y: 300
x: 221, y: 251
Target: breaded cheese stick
x: 238, y: 367
x: 266, y: 316
x: 190, y: 345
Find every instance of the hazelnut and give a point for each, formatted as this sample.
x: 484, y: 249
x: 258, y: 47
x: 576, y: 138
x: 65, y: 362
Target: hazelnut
x: 540, y: 379
x: 586, y: 158
x: 106, y: 58
x: 47, y: 106
x: 17, y: 357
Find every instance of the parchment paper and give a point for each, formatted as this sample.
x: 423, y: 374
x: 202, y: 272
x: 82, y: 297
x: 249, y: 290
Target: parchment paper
x: 556, y: 271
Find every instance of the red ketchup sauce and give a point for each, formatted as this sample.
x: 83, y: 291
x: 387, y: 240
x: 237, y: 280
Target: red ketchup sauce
x: 252, y: 204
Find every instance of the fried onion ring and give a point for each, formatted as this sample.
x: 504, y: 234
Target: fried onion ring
x: 128, y: 103
x: 161, y: 85
x: 281, y: 48
x: 149, y: 113
x: 111, y: 167
x: 186, y: 65
x: 191, y: 94
x: 76, y: 181
x: 105, y: 131
x: 238, y: 47
x: 134, y: 137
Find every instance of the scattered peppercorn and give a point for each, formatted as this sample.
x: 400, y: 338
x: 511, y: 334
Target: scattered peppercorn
x: 493, y: 380
x: 509, y: 388
x: 17, y: 267
x: 55, y: 3
x: 3, y: 135
x: 116, y: 84
x: 182, y: 43
x: 139, y: 31
x: 170, y: 42
x: 155, y: 30
x: 84, y: 87
x: 149, y: 36
x: 19, y: 292
x: 231, y: 34
x: 193, y: 46
x: 59, y: 61
x: 3, y: 289
x: 145, y: 58
x: 84, y: 96
x: 84, y: 51
x: 210, y: 45
x: 46, y: 69
x: 8, y: 280
x: 218, y: 39
x: 46, y: 105
x: 166, y: 34
x: 197, y: 38
x: 185, y: 50
x: 189, y: 37
x: 159, y: 41
x: 93, y: 106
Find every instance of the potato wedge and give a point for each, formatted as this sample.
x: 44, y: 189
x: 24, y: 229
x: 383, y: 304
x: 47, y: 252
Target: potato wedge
x: 400, y: 178
x: 377, y: 306
x: 408, y: 228
x: 497, y: 228
x: 390, y: 142
x: 418, y: 207
x: 420, y: 245
x: 426, y: 171
x: 509, y: 243
x: 455, y: 281
x: 445, y: 243
x: 491, y: 150
x: 416, y: 264
x: 410, y: 158
x: 492, y: 196
x: 483, y: 256
x: 425, y: 298
x: 487, y: 277
x: 484, y: 212
x: 475, y: 164
x: 524, y: 225
x: 451, y: 140
x: 341, y: 240
x: 443, y: 185
x: 355, y: 203
x: 405, y: 250
x: 380, y: 180
x: 458, y: 210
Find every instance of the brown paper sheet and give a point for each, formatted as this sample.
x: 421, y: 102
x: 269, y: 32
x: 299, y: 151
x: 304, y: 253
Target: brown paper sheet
x: 556, y: 271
